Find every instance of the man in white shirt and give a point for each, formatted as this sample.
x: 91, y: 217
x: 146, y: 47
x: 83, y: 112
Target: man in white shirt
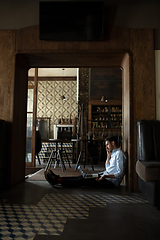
x: 111, y: 177
x: 115, y: 163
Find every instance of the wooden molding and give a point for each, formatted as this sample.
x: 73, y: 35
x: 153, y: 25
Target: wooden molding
x: 109, y: 102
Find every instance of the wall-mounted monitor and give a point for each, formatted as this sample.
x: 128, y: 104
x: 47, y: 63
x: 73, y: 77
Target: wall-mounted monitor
x: 71, y: 21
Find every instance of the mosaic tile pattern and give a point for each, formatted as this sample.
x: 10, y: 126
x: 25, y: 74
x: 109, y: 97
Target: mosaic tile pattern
x: 45, y: 147
x: 49, y: 216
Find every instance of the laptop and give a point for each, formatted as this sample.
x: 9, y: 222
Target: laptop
x: 88, y: 175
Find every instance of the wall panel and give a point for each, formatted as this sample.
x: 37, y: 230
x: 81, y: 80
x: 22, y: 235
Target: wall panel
x: 18, y: 140
x: 7, y: 62
x: 143, y: 84
x: 106, y: 82
x: 31, y: 42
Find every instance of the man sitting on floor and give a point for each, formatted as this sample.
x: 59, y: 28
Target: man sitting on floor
x: 111, y: 177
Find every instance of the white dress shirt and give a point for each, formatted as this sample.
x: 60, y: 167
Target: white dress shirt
x: 116, y: 166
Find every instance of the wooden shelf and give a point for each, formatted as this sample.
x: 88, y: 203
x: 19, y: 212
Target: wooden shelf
x: 107, y: 129
x: 109, y: 102
x: 105, y: 116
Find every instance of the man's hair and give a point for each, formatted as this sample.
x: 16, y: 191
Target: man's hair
x: 112, y: 139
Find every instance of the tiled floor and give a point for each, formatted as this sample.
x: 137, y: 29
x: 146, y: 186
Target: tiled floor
x: 35, y: 210
x: 19, y: 221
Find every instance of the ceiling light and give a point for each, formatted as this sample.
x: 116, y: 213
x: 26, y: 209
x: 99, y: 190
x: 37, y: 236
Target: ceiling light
x: 104, y: 99
x: 62, y: 97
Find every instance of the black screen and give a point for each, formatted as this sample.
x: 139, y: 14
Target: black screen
x: 71, y: 21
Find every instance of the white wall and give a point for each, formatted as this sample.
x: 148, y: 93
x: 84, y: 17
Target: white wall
x: 53, y: 72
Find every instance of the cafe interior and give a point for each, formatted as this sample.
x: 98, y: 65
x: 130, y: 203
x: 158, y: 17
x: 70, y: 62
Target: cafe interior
x: 61, y: 94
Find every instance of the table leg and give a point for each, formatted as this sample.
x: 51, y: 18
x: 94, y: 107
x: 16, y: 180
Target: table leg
x: 67, y: 157
x: 84, y: 154
x: 61, y: 160
x: 50, y: 160
x: 79, y: 157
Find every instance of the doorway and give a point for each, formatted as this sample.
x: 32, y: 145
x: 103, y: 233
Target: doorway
x: 55, y: 82
x: 49, y: 106
x: 91, y: 59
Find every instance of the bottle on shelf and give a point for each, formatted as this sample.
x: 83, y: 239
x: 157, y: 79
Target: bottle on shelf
x: 106, y: 117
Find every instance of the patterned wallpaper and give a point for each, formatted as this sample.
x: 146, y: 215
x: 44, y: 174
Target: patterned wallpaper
x: 50, y: 105
x: 49, y: 93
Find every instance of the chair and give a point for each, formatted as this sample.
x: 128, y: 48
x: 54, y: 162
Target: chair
x: 148, y: 160
x: 38, y: 145
x: 4, y: 128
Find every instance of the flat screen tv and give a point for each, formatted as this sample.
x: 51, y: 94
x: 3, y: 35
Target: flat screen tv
x: 71, y: 21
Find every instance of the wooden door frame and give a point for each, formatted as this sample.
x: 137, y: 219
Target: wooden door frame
x: 34, y: 87
x: 89, y: 59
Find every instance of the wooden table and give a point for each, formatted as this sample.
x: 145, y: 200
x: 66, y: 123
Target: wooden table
x: 58, y: 153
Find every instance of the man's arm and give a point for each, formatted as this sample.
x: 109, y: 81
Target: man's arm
x: 105, y: 176
x: 108, y: 157
x: 107, y: 162
x: 118, y: 167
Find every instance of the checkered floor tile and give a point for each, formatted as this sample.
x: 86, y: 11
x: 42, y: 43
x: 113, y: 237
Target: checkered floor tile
x: 48, y: 146
x: 51, y: 213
